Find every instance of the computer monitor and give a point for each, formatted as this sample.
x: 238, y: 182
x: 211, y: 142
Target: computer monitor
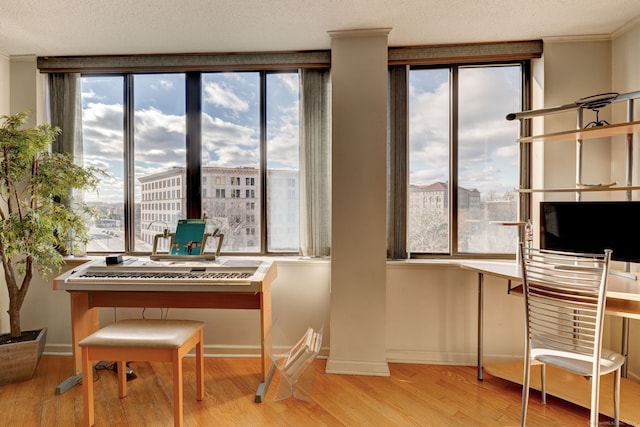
x: 592, y: 227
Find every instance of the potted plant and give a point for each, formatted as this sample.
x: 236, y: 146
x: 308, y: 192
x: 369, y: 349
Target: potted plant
x: 37, y: 216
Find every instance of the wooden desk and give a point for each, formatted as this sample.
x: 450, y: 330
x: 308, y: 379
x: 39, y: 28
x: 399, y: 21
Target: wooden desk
x: 87, y: 297
x: 623, y: 299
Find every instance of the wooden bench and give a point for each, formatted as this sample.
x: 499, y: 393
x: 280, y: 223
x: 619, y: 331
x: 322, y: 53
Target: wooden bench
x: 143, y: 340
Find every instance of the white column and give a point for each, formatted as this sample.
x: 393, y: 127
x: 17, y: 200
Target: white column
x: 359, y: 75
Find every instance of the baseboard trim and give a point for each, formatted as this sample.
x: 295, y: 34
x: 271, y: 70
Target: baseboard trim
x: 354, y: 367
x: 444, y: 358
x: 209, y: 350
x: 349, y: 367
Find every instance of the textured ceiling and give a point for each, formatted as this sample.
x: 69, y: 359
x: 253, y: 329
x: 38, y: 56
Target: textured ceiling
x: 89, y: 27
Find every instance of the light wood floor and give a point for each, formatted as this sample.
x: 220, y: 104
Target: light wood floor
x: 414, y: 395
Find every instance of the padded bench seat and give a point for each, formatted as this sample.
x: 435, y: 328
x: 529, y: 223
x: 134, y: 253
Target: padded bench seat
x: 143, y: 340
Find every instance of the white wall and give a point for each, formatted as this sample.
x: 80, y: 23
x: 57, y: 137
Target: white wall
x: 5, y: 99
x: 626, y: 78
x: 5, y: 84
x: 575, y: 69
x: 20, y: 89
x: 26, y: 88
x: 300, y: 298
x: 428, y: 310
x: 578, y: 68
x: 432, y: 315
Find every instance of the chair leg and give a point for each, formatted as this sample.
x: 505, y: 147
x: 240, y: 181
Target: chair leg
x: 200, y: 367
x: 87, y: 387
x: 543, y: 382
x: 177, y: 389
x: 525, y: 391
x: 122, y: 378
x: 616, y: 398
x: 595, y: 401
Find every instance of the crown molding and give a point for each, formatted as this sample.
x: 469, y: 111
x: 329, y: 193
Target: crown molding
x: 23, y: 58
x: 365, y: 32
x: 578, y: 39
x: 626, y: 27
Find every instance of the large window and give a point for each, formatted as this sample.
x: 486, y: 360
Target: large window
x: 463, y: 159
x: 103, y: 136
x: 225, y: 145
x: 236, y: 133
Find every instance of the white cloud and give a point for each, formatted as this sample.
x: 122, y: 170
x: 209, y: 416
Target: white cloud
x: 90, y: 95
x: 429, y: 135
x: 221, y: 95
x: 290, y: 81
x: 166, y: 84
x: 228, y: 144
x: 102, y: 131
x: 507, y: 152
x: 160, y: 138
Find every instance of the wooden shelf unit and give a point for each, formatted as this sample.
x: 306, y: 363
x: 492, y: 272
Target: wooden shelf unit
x: 588, y: 133
x: 578, y: 135
x: 579, y: 189
x: 615, y: 306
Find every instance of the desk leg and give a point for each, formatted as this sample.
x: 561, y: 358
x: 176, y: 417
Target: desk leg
x: 480, y: 317
x: 264, y: 385
x: 84, y: 321
x: 625, y: 346
x: 265, y: 331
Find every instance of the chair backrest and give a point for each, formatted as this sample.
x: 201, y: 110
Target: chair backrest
x: 564, y: 302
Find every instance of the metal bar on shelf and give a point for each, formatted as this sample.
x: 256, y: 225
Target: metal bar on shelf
x: 579, y: 121
x: 624, y: 346
x: 566, y: 107
x: 541, y: 112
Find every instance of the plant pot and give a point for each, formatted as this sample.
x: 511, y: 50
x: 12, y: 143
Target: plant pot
x: 18, y: 360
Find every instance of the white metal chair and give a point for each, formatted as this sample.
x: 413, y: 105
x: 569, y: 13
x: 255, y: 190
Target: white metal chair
x: 565, y: 296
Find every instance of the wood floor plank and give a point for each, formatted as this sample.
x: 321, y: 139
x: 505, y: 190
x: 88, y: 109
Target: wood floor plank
x: 414, y: 395
x: 53, y: 408
x: 575, y: 388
